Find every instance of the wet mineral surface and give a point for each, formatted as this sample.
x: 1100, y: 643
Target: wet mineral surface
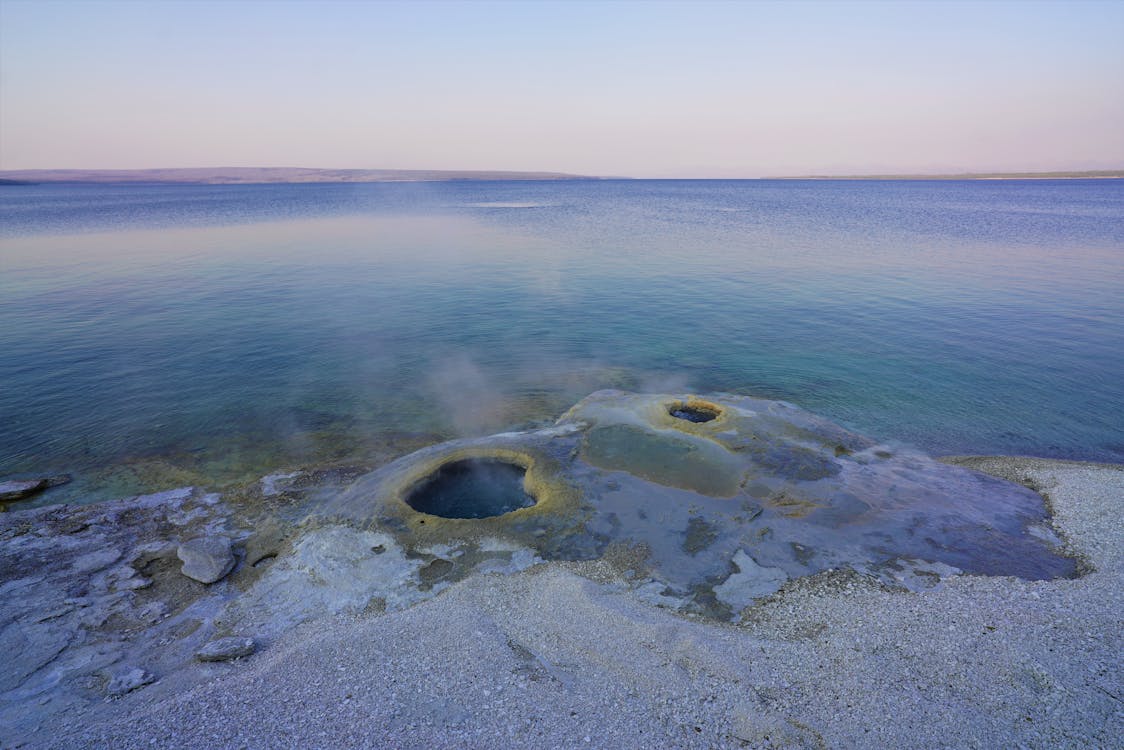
x: 719, y: 500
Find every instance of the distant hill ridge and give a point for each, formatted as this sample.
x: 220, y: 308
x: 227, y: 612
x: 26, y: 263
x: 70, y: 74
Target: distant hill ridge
x: 1091, y: 174
x: 255, y: 175
x: 251, y: 175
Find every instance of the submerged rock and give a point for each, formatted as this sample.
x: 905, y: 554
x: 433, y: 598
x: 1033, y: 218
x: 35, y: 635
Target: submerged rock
x: 207, y: 559
x: 18, y: 489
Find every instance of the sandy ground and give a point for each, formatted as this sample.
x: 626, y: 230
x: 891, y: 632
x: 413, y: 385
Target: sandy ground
x: 563, y: 656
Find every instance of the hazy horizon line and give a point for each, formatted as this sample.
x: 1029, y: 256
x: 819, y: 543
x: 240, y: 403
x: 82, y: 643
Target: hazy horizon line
x: 365, y: 174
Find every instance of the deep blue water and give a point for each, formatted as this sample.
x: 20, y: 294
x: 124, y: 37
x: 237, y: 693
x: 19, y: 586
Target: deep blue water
x: 160, y: 335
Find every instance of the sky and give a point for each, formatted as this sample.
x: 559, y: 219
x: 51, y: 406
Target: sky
x: 641, y: 89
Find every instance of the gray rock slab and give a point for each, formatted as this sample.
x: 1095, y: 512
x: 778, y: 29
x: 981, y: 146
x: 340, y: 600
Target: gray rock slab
x: 18, y: 489
x: 27, y: 648
x: 226, y: 649
x: 127, y: 680
x: 206, y: 559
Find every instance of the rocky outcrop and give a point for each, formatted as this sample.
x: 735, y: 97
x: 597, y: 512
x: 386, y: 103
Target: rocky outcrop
x: 85, y: 587
x: 95, y: 603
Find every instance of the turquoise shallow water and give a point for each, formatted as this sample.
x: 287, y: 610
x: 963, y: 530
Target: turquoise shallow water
x: 155, y: 335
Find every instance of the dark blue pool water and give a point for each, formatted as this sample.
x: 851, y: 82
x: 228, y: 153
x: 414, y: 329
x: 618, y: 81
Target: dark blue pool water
x: 167, y: 334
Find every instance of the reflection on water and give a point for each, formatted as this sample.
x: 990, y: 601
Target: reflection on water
x: 186, y: 334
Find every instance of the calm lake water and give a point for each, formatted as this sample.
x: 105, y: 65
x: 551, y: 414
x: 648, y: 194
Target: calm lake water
x: 162, y: 335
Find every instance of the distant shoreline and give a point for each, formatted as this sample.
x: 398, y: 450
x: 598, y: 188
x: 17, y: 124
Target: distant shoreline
x: 265, y: 175
x: 301, y: 175
x: 1103, y: 174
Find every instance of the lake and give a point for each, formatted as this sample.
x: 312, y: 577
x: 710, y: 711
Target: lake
x: 159, y: 335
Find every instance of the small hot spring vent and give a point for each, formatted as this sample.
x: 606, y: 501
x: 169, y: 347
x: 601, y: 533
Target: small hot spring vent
x: 694, y: 412
x: 471, y: 488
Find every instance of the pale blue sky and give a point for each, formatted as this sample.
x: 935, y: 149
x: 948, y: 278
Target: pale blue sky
x: 641, y: 89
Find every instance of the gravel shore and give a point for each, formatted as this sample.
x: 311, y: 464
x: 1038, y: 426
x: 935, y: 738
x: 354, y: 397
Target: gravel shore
x: 563, y: 656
